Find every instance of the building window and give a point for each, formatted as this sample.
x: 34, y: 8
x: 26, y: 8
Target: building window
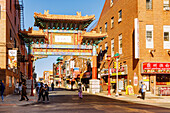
x: 15, y: 43
x: 105, y: 49
x: 10, y: 5
x: 162, y: 78
x: 166, y: 5
x: 101, y: 53
x: 15, y: 21
x: 120, y: 16
x: 112, y: 47
x: 10, y: 34
x: 106, y: 27
x: 111, y: 3
x: 112, y: 22
x: 120, y: 44
x: 148, y: 4
x: 100, y: 29
x: 166, y: 36
x: 10, y: 81
x: 149, y: 36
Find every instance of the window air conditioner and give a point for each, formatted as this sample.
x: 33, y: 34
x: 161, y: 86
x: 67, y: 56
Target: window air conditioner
x: 167, y: 8
x: 120, y: 19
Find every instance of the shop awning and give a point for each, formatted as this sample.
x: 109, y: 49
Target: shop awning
x: 119, y: 73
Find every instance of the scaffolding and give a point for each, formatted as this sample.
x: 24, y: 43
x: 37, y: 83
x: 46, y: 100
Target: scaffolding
x: 20, y: 7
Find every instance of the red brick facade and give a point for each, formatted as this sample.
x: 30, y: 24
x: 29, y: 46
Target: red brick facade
x: 132, y: 9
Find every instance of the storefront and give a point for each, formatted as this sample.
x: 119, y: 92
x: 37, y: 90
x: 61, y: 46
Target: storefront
x: 122, y: 78
x: 156, y: 76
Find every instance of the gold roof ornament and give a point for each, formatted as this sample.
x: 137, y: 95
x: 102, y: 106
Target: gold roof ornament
x: 77, y: 17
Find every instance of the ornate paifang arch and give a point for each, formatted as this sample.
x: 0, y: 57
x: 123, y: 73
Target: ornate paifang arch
x: 62, y: 35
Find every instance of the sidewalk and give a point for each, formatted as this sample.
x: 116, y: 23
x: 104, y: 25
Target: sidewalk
x: 13, y: 100
x: 160, y: 101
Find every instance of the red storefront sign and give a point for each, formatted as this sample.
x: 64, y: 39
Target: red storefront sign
x: 150, y: 67
x: 165, y: 91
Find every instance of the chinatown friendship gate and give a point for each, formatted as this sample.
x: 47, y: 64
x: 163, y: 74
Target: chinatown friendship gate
x: 63, y: 35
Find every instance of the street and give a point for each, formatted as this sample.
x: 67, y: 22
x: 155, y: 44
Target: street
x: 66, y: 101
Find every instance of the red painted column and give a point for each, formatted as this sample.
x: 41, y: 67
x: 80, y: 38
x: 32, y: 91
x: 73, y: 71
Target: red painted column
x: 94, y: 69
x: 29, y: 67
x: 30, y: 74
x: 94, y: 59
x: 30, y: 62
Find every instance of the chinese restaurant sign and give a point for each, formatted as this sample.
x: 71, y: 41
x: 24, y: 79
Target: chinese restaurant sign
x: 150, y: 67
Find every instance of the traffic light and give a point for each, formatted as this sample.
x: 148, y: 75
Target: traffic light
x: 119, y: 65
x: 114, y: 65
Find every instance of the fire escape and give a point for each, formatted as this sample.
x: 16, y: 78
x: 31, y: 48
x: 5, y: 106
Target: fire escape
x: 20, y: 7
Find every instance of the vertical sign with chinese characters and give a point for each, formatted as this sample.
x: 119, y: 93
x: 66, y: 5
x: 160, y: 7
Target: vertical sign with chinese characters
x: 12, y: 59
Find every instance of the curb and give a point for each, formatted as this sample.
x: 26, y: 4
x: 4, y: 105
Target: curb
x: 144, y: 102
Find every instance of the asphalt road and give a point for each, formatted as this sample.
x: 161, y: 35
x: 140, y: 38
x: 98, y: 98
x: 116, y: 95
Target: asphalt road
x: 65, y: 101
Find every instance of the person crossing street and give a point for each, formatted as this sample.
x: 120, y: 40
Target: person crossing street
x: 80, y: 90
x: 45, y: 93
x: 24, y: 94
x: 143, y: 90
x: 2, y: 88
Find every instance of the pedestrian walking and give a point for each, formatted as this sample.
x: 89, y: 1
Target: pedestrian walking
x: 80, y: 90
x: 24, y: 93
x: 17, y: 88
x: 41, y: 92
x: 45, y: 93
x: 2, y: 88
x: 20, y: 87
x: 52, y: 86
x: 143, y: 90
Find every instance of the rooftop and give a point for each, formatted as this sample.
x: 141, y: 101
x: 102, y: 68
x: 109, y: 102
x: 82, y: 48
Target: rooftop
x: 78, y: 17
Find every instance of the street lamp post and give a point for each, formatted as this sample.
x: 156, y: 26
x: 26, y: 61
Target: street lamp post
x: 117, y: 78
x: 116, y: 56
x: 108, y: 59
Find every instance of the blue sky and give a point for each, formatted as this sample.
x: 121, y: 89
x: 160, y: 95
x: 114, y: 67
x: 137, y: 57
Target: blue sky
x: 61, y: 7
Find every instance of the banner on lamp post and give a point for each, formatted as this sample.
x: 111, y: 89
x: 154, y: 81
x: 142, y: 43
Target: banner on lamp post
x: 12, y: 59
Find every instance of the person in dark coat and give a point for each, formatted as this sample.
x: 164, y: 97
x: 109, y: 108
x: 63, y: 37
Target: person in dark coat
x: 24, y: 94
x: 2, y: 88
x: 41, y: 92
x: 80, y: 90
x: 52, y: 86
x: 46, y: 89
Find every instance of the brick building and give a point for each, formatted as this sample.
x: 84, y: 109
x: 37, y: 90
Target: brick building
x: 139, y: 31
x: 10, y: 12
